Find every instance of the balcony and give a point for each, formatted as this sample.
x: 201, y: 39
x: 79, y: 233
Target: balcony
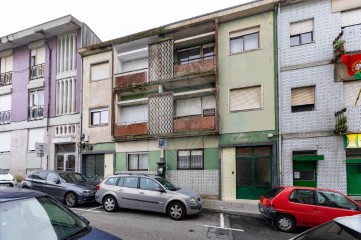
x: 131, y: 79
x: 131, y: 130
x: 195, y: 66
x: 348, y: 120
x: 5, y: 117
x: 195, y: 123
x: 6, y: 79
x: 36, y: 112
x: 37, y: 71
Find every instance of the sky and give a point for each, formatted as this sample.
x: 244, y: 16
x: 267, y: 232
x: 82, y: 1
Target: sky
x: 109, y: 19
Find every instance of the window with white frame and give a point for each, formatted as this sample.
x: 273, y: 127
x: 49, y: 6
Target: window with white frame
x: 99, y: 116
x: 36, y: 104
x: 244, y: 40
x: 5, y: 139
x: 301, y: 32
x: 190, y: 159
x: 196, y: 54
x: 350, y: 18
x: 138, y: 161
x: 37, y: 56
x: 5, y: 108
x: 133, y: 114
x: 6, y: 64
x: 246, y: 98
x: 303, y: 99
x: 196, y: 106
x: 99, y: 71
x: 35, y: 135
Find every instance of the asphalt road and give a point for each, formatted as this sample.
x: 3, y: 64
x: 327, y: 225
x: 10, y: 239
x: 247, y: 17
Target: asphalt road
x: 136, y: 225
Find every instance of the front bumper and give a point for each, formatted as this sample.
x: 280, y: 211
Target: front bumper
x: 8, y: 184
x: 194, y: 208
x: 269, y: 213
x: 85, y: 198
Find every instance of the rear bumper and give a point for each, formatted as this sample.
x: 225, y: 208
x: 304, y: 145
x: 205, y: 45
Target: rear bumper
x: 85, y: 198
x: 269, y: 213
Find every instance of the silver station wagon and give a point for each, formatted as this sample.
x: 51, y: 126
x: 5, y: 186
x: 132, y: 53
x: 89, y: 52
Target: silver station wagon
x: 147, y: 192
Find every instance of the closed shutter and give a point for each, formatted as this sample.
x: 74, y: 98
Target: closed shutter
x: 244, y: 32
x: 5, y: 139
x: 301, y: 27
x: 303, y: 96
x: 189, y: 106
x: 125, y: 115
x: 209, y: 102
x: 133, y: 65
x: 100, y: 71
x: 35, y: 135
x: 245, y: 98
x: 5, y: 102
x: 140, y: 113
x: 350, y: 18
x: 40, y: 55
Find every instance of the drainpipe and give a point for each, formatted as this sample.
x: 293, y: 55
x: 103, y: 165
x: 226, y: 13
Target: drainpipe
x: 80, y: 156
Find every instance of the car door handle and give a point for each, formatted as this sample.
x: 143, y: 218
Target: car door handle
x: 141, y: 193
x: 120, y: 190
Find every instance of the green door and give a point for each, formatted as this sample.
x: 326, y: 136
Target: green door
x: 353, y: 179
x: 304, y: 173
x: 253, y: 171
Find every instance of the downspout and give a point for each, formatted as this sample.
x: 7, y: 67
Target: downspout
x: 81, y: 100
x: 278, y: 90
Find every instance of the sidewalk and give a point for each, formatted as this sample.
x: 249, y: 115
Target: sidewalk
x: 235, y: 207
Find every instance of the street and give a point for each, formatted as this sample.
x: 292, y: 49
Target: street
x: 135, y: 225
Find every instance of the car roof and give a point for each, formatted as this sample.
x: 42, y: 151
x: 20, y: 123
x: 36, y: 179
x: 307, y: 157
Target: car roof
x: 9, y: 194
x: 308, y: 188
x: 352, y: 222
x: 136, y: 175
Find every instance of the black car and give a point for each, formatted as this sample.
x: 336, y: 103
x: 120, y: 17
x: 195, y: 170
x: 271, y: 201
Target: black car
x: 28, y: 214
x: 72, y: 188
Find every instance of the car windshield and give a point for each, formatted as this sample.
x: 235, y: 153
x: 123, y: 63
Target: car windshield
x: 39, y: 218
x: 73, y: 177
x: 273, y: 192
x: 3, y: 171
x: 168, y: 185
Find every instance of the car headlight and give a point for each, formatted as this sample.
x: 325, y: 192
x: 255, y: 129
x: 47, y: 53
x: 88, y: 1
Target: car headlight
x: 86, y: 191
x: 192, y: 199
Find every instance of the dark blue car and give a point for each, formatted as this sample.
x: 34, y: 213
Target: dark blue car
x: 28, y: 214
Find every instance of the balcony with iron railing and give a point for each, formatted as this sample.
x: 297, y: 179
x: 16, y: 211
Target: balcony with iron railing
x: 131, y: 78
x: 37, y: 71
x: 6, y: 79
x: 348, y: 120
x: 5, y: 117
x: 36, y: 112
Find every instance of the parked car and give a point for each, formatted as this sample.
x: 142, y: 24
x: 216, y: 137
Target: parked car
x: 6, y: 179
x: 288, y: 207
x: 28, y: 214
x: 147, y: 192
x: 72, y: 188
x: 341, y: 228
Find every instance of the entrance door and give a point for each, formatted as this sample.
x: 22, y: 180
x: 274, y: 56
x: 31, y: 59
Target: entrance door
x: 353, y: 179
x: 253, y: 176
x: 93, y: 166
x: 304, y: 173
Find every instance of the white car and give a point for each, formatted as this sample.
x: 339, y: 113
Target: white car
x: 6, y: 179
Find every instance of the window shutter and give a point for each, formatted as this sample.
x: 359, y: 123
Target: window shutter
x: 100, y: 71
x: 40, y: 55
x: 126, y: 115
x: 35, y: 135
x: 143, y: 161
x: 9, y: 64
x: 133, y: 65
x: 243, y: 32
x: 245, y: 98
x: 140, y: 113
x: 5, y: 139
x: 303, y: 96
x: 301, y: 27
x: 5, y: 102
x: 189, y: 106
x: 350, y: 18
x: 208, y: 102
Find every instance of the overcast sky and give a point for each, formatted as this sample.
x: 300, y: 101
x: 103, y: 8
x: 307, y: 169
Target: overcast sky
x: 109, y: 19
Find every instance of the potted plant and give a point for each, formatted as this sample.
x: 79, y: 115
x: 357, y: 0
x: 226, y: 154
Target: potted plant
x: 338, y: 47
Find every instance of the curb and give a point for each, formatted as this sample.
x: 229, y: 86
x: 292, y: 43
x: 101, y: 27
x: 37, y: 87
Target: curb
x: 232, y: 212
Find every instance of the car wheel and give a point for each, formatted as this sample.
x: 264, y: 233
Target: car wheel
x: 285, y: 223
x: 176, y: 210
x: 110, y: 204
x: 71, y: 200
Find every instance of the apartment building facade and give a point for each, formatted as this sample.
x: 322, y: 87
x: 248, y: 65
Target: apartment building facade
x: 40, y: 96
x: 317, y: 95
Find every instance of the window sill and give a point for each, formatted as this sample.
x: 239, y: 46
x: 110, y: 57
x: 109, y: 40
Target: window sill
x: 246, y: 110
x: 98, y: 125
x: 237, y: 53
x: 302, y: 44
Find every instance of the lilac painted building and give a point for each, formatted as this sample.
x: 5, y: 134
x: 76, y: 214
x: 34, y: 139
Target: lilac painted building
x: 40, y: 96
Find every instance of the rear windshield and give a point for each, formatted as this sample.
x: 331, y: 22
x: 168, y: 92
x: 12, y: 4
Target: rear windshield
x: 274, y: 192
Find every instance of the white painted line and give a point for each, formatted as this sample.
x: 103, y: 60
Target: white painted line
x: 232, y: 229
x: 95, y: 208
x: 222, y: 220
x: 86, y: 210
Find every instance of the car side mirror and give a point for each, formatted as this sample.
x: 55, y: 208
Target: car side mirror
x: 56, y: 180
x: 159, y: 189
x: 84, y: 219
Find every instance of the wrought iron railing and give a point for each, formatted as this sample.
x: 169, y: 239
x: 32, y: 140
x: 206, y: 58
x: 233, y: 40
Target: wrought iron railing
x: 37, y: 71
x: 199, y: 59
x: 341, y: 122
x: 5, y: 117
x: 6, y: 79
x: 36, y: 112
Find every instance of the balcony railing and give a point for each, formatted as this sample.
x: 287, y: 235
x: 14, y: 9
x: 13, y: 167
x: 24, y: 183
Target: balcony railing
x: 5, y: 117
x: 205, y: 122
x: 6, y: 79
x: 36, y: 112
x: 348, y: 120
x: 37, y: 71
x: 194, y: 66
x: 341, y: 122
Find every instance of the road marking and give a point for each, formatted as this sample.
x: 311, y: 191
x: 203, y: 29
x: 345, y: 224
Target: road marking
x: 221, y: 220
x: 88, y: 210
x: 232, y: 229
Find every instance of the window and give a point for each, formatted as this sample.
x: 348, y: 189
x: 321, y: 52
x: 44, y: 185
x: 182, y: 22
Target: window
x: 196, y: 54
x: 350, y: 18
x: 37, y: 60
x: 138, y: 161
x: 35, y: 135
x: 5, y: 109
x: 36, y: 104
x: 303, y: 99
x: 99, y: 117
x: 111, y: 181
x: 244, y: 40
x: 334, y: 200
x: 99, y: 71
x: 52, y: 177
x: 301, y: 32
x: 130, y: 182
x: 5, y: 139
x: 246, y: 98
x: 134, y: 114
x: 190, y: 159
x: 148, y: 184
x: 303, y: 196
x: 6, y: 68
x: 196, y: 106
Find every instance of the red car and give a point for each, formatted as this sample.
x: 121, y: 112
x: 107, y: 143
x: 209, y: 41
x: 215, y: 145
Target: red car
x: 288, y: 207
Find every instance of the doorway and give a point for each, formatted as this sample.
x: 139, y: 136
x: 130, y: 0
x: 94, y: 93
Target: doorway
x: 93, y: 166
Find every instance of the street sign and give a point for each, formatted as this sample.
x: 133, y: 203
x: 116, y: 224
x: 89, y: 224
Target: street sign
x: 41, y: 149
x: 162, y: 143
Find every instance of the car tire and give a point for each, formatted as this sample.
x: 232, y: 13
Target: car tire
x: 71, y: 200
x: 110, y: 204
x: 285, y: 223
x: 176, y: 210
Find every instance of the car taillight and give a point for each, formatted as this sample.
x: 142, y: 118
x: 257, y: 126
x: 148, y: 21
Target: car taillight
x: 268, y: 203
x: 98, y: 187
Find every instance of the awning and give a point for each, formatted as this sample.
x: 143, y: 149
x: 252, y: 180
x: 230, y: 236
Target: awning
x: 308, y: 157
